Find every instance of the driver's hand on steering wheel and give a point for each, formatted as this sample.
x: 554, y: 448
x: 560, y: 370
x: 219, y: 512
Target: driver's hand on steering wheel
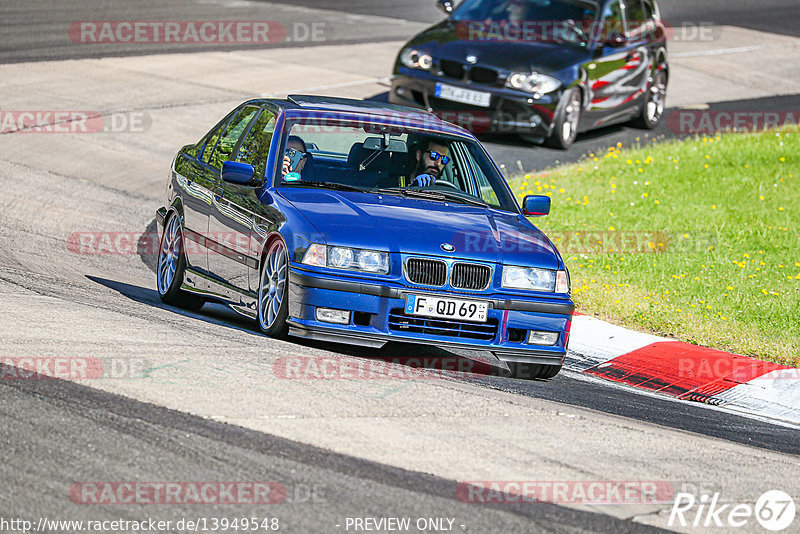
x: 424, y: 180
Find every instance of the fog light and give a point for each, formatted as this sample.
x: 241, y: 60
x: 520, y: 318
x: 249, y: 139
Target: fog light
x: 537, y: 337
x: 328, y: 315
x: 535, y: 121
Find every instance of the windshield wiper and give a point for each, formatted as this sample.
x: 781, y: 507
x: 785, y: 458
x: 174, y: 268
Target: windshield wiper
x: 466, y: 200
x: 442, y: 196
x: 325, y: 185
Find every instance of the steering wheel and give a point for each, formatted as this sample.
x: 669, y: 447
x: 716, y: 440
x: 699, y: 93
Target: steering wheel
x: 446, y: 183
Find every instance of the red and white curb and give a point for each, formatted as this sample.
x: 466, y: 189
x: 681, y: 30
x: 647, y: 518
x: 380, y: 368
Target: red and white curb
x: 684, y: 371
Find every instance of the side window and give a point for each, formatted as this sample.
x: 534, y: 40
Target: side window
x: 207, y: 144
x: 649, y: 10
x: 255, y: 147
x: 635, y: 17
x: 485, y: 190
x: 614, y: 20
x: 650, y: 15
x: 227, y: 141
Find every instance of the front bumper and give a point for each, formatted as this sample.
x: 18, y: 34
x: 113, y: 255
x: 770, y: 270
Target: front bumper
x: 377, y: 317
x: 510, y: 111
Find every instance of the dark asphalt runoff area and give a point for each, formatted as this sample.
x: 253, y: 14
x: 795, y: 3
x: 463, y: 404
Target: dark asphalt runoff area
x: 57, y: 434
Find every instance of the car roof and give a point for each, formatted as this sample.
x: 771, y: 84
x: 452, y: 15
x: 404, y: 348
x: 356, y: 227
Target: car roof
x: 314, y: 106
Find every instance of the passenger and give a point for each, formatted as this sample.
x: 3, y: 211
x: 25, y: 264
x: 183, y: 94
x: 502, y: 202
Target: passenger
x: 296, y: 143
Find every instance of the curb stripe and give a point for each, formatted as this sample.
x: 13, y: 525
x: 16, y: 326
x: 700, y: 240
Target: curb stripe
x: 677, y: 369
x: 683, y: 371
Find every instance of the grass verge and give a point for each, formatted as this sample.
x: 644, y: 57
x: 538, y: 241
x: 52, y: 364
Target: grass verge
x: 696, y: 240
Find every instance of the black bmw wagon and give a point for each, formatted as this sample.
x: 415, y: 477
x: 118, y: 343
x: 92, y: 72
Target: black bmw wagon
x: 543, y: 69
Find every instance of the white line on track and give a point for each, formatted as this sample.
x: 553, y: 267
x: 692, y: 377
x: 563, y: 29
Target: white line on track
x: 725, y: 51
x: 380, y: 81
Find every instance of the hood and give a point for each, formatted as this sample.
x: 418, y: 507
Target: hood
x: 414, y: 226
x: 451, y: 40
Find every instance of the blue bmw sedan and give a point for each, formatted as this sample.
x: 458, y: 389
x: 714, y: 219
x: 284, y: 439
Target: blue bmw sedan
x: 363, y: 223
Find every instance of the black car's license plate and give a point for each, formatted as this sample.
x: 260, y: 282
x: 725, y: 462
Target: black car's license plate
x: 465, y: 96
x: 447, y: 308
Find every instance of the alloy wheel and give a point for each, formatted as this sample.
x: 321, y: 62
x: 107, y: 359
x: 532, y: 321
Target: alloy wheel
x: 272, y: 288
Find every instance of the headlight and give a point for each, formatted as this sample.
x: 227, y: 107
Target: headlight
x: 414, y: 59
x: 351, y: 259
x: 533, y: 82
x: 529, y: 278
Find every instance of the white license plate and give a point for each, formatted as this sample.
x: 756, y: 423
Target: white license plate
x: 446, y: 308
x: 465, y: 96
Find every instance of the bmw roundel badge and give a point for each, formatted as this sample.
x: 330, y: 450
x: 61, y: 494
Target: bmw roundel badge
x: 447, y: 247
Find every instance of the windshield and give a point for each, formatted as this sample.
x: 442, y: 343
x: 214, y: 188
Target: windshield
x: 390, y: 159
x: 551, y: 20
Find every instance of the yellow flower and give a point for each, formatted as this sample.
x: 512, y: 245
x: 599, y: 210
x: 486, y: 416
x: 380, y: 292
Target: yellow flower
x: 780, y: 209
x: 729, y: 288
x: 761, y: 197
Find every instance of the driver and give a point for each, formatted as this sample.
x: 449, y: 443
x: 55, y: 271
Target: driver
x: 431, y: 159
x: 517, y: 10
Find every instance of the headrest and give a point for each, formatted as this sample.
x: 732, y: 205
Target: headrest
x: 358, y: 155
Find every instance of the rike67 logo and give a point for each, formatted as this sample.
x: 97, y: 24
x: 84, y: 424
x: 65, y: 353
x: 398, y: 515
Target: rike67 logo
x: 774, y: 510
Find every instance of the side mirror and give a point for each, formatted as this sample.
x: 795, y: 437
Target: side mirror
x: 616, y: 40
x: 237, y: 173
x: 536, y: 206
x: 445, y: 5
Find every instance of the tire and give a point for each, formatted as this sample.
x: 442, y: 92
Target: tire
x: 567, y: 120
x: 653, y: 106
x: 273, y: 302
x: 533, y: 371
x: 171, y: 268
x: 532, y: 139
